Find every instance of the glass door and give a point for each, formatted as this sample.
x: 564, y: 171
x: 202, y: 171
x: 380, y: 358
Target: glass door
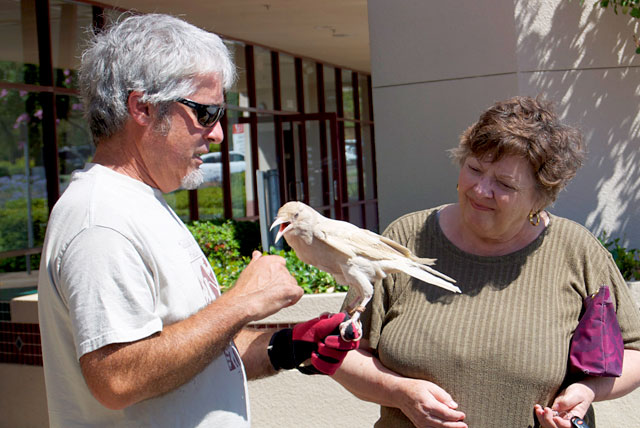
x: 309, y: 161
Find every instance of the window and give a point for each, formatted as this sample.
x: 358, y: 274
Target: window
x: 288, y: 83
x: 23, y: 192
x: 237, y: 95
x: 310, y: 86
x: 19, y: 59
x: 69, y: 23
x: 30, y: 92
x: 264, y: 82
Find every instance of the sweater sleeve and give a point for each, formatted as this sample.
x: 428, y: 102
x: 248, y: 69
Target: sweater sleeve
x: 626, y: 308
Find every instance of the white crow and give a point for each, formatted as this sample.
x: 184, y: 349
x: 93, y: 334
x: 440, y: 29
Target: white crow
x: 355, y: 257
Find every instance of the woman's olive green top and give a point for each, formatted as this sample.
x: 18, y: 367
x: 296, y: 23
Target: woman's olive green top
x: 503, y: 344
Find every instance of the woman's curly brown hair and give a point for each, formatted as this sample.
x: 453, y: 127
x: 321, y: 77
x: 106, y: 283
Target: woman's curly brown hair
x: 527, y: 127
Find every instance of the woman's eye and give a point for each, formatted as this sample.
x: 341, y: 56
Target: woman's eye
x: 506, y: 186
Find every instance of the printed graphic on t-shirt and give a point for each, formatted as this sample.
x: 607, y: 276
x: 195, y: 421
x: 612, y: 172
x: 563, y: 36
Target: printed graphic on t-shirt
x: 210, y: 290
x: 233, y: 361
x: 207, y: 279
x: 201, y: 269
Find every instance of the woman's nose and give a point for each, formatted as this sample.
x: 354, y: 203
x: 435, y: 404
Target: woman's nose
x: 484, y: 187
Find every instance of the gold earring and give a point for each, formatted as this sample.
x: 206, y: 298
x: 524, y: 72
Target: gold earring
x: 534, y: 218
x: 457, y: 186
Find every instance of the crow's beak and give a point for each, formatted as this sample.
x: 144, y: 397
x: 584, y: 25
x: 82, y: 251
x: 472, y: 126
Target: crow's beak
x: 284, y: 226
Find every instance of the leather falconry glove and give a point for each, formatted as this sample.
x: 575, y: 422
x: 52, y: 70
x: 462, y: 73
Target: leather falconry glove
x: 317, y: 340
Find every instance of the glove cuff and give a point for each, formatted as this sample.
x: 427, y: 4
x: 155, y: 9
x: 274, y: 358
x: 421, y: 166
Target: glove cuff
x: 280, y: 349
x: 286, y: 353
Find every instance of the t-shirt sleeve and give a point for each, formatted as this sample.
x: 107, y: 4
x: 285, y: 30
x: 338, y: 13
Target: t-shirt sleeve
x: 109, y: 290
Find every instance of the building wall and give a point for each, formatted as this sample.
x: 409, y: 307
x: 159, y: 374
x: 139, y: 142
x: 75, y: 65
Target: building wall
x: 436, y: 68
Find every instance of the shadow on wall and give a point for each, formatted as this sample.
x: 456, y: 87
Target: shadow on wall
x: 579, y: 57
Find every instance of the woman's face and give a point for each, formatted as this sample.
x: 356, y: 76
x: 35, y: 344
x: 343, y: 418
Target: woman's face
x: 496, y: 197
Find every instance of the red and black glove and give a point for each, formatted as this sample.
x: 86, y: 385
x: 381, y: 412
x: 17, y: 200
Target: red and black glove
x: 317, y: 339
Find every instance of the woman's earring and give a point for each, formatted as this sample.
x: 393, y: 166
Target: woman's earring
x: 534, y: 218
x: 457, y: 187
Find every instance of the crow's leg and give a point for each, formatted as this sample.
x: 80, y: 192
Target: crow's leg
x: 352, y: 328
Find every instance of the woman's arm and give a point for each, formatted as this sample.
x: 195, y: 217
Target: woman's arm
x: 608, y: 388
x: 424, y: 403
x: 577, y: 397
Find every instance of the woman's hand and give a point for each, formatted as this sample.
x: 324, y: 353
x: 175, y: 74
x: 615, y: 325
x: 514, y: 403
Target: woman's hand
x: 428, y: 405
x: 573, y: 401
x: 424, y: 403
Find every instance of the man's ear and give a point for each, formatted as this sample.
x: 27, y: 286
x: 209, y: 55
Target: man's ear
x: 139, y: 111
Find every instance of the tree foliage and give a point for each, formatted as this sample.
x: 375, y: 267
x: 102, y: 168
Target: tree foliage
x: 624, y: 7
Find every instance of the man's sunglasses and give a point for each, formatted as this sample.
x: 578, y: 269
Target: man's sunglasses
x: 208, y: 115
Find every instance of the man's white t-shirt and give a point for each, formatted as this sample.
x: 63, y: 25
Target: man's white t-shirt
x: 117, y: 265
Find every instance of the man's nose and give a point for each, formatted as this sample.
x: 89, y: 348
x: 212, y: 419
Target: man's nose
x: 215, y: 134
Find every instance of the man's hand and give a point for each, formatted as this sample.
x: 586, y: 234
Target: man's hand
x: 317, y: 339
x: 265, y: 286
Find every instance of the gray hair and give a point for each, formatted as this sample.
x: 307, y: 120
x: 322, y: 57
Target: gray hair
x: 158, y: 55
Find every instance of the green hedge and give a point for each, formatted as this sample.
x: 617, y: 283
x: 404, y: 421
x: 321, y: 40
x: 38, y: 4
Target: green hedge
x: 627, y: 259
x: 228, y: 245
x: 13, y: 232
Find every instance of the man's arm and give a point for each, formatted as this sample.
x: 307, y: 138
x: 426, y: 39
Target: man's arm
x: 120, y: 375
x: 252, y: 346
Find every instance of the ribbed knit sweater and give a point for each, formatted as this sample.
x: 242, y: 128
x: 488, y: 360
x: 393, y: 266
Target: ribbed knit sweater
x: 502, y: 345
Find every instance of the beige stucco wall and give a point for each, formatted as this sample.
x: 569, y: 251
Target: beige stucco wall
x: 287, y: 400
x: 23, y: 400
x: 435, y: 68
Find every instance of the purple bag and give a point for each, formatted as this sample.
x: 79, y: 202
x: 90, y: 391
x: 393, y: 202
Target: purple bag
x: 597, y: 347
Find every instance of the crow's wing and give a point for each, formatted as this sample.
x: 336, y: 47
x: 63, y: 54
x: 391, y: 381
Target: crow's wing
x: 353, y: 241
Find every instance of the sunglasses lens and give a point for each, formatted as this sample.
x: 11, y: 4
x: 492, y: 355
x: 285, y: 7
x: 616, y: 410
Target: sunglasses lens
x: 207, y: 115
x: 210, y: 115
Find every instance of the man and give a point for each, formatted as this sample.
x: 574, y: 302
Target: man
x: 134, y: 329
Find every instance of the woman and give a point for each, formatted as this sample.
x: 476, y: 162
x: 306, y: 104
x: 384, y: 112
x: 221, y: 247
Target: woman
x: 499, y: 349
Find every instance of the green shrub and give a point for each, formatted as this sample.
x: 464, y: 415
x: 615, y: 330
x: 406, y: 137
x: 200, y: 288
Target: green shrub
x: 228, y: 245
x: 13, y: 168
x: 628, y: 260
x: 13, y: 231
x: 221, y: 247
x: 19, y: 264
